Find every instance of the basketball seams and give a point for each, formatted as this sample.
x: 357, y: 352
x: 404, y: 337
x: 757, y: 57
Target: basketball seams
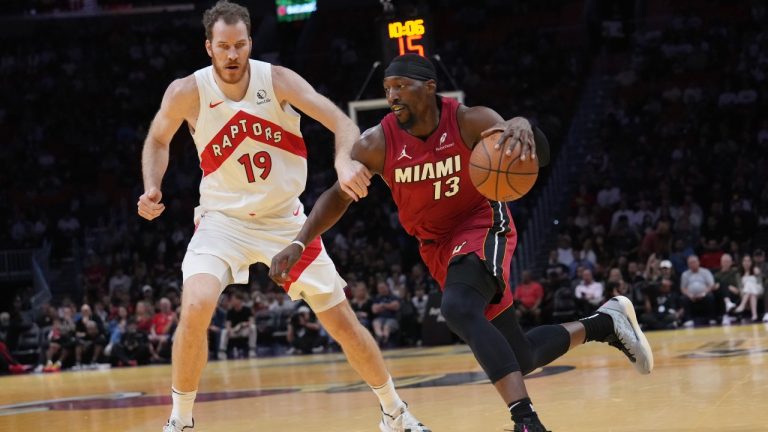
x: 493, y: 188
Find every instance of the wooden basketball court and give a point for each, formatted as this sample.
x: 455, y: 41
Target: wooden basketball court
x: 713, y: 379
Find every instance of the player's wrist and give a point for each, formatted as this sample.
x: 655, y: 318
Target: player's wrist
x: 300, y: 244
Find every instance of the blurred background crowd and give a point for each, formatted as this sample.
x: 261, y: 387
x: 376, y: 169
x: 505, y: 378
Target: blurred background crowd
x: 666, y: 204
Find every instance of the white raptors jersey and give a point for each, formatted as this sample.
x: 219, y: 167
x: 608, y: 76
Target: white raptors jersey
x: 253, y: 157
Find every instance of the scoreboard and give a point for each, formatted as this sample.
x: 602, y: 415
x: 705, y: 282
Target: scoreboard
x: 406, y: 35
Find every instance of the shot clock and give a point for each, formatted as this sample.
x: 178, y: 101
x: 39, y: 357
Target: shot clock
x: 411, y: 35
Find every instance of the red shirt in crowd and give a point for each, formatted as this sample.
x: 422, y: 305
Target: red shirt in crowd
x: 161, y: 322
x: 528, y: 294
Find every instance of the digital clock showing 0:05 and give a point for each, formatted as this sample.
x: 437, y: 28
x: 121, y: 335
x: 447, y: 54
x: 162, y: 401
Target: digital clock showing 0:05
x: 404, y: 36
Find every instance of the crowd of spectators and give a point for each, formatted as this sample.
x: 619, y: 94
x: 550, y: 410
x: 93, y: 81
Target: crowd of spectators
x: 672, y: 210
x: 72, y: 176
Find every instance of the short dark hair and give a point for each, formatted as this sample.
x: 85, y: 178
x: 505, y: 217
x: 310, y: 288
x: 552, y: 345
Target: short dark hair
x: 230, y: 12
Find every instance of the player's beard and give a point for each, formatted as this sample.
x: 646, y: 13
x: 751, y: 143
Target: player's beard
x: 229, y: 76
x: 408, y: 124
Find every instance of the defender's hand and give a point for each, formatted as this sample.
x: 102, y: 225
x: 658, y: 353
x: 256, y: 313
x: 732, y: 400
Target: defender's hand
x: 354, y: 177
x: 516, y: 131
x: 283, y: 262
x: 149, y: 205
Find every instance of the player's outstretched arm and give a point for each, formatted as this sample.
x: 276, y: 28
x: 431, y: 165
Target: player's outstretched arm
x: 290, y: 87
x: 328, y: 209
x: 179, y: 102
x: 478, y: 122
x: 370, y: 151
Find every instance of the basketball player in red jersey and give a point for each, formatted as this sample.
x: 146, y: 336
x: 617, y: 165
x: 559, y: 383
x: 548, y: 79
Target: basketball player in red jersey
x: 253, y: 158
x: 421, y: 149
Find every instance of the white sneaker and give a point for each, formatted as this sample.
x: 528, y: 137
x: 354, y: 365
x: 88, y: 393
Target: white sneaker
x: 404, y: 421
x: 765, y: 317
x: 627, y: 336
x: 174, y: 425
x: 729, y: 305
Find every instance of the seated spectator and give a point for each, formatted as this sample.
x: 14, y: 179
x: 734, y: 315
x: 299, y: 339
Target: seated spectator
x: 663, y: 309
x: 728, y: 282
x: 667, y: 270
x: 588, y: 293
x: 133, y: 348
x: 657, y: 241
x: 710, y: 257
x: 143, y: 317
x: 579, y: 260
x: 751, y: 285
x: 419, y: 300
x: 361, y: 304
x: 160, y: 332
x: 115, y: 329
x: 621, y: 288
x: 61, y: 340
x: 760, y: 263
x: 385, y: 307
x: 528, y: 297
x: 90, y: 344
x: 8, y: 364
x: 240, y: 329
x: 697, y: 285
x: 304, y: 332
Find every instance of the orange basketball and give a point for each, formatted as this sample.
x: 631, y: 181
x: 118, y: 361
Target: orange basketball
x: 499, y: 177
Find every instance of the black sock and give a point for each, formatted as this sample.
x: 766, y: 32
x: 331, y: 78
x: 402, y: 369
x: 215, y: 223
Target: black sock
x: 598, y: 326
x: 522, y: 411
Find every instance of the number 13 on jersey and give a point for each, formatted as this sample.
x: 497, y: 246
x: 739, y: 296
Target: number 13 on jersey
x: 261, y: 160
x: 451, y: 188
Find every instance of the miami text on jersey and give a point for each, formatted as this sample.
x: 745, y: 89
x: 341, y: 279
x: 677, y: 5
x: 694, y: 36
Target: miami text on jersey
x: 429, y: 170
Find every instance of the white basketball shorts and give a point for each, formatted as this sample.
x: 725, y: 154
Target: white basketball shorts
x: 225, y: 247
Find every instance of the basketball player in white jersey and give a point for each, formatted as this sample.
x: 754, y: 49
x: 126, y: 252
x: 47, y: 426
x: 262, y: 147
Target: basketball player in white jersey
x: 254, y: 169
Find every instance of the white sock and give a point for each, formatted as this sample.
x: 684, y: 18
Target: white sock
x: 388, y: 397
x: 182, y: 405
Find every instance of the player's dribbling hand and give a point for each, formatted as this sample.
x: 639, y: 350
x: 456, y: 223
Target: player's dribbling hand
x: 517, y: 131
x: 149, y: 205
x: 283, y: 262
x: 354, y: 178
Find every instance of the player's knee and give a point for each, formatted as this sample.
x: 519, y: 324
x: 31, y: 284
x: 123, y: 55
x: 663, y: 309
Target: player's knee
x: 457, y: 314
x: 197, y: 313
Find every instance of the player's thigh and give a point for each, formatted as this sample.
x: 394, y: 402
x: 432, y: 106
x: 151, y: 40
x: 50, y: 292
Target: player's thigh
x: 205, y: 277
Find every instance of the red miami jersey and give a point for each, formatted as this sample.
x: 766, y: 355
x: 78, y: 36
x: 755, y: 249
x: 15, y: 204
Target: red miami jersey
x: 439, y: 205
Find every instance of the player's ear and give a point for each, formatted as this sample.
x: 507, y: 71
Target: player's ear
x: 431, y: 86
x: 209, y: 48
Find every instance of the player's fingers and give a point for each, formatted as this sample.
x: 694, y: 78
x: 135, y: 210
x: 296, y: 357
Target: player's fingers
x: 361, y: 187
x: 515, y: 141
x: 146, y: 215
x: 145, y: 200
x: 531, y: 144
x: 502, y: 139
x: 347, y: 190
x: 365, y: 173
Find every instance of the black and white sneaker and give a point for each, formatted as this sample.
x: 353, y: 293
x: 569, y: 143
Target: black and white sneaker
x: 530, y: 426
x: 627, y: 336
x: 402, y: 421
x: 175, y: 425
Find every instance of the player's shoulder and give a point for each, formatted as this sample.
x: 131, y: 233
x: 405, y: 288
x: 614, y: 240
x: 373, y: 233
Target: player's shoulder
x: 182, y: 88
x: 372, y: 137
x: 475, y: 113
